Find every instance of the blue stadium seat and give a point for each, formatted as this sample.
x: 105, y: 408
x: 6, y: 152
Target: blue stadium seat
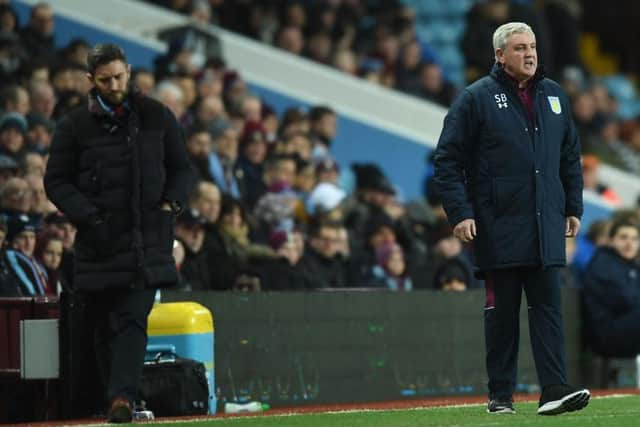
x: 620, y: 87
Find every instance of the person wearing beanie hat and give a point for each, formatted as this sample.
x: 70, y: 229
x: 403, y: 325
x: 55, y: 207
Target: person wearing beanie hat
x: 13, y: 130
x: 452, y: 275
x: 196, y: 269
x: 40, y: 131
x: 21, y: 239
x: 390, y: 270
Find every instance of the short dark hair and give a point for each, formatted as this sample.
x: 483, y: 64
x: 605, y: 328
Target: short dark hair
x: 319, y: 111
x: 102, y: 54
x: 620, y: 223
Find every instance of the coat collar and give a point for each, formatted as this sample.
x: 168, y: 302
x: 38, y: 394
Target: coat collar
x: 97, y: 108
x: 498, y: 73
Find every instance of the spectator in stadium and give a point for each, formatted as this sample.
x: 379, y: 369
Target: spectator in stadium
x: 60, y: 225
x: 13, y: 132
x: 14, y: 99
x: 324, y: 267
x: 48, y: 252
x: 119, y: 171
x: 144, y: 80
x: 38, y: 36
x: 43, y: 98
x: 222, y: 159
x: 199, y: 147
x: 9, y: 283
x: 21, y: 239
x: 15, y: 196
x: 8, y: 169
x: 452, y: 275
x: 40, y: 206
x: 612, y: 294
x: 241, y: 251
x: 323, y: 123
x: 196, y: 269
x: 432, y: 86
x: 39, y: 132
x: 390, y: 270
x: 253, y: 153
x: 516, y: 204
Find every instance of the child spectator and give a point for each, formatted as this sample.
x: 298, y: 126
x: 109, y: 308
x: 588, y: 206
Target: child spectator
x: 390, y: 270
x: 452, y: 275
x: 48, y: 252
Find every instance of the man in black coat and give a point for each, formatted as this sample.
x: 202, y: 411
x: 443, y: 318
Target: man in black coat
x: 119, y: 171
x: 508, y: 171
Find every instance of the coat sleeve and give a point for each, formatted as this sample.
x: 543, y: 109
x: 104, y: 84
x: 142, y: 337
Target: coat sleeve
x: 571, y: 169
x: 451, y: 157
x: 180, y: 174
x: 60, y: 176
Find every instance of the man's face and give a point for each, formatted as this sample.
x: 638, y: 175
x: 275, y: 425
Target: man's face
x: 199, y: 145
x: 519, y: 58
x: 208, y: 204
x: 626, y: 242
x: 227, y: 144
x: 25, y: 242
x: 326, y: 242
x: 111, y: 81
x: 42, y: 20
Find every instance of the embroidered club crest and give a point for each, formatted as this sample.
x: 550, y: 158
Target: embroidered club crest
x: 554, y: 101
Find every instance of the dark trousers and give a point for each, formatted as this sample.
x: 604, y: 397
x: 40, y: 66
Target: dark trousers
x: 120, y: 338
x: 502, y: 328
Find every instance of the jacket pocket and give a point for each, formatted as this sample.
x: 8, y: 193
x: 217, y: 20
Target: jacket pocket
x: 158, y: 227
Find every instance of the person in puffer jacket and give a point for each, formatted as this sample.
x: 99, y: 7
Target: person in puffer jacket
x: 119, y: 170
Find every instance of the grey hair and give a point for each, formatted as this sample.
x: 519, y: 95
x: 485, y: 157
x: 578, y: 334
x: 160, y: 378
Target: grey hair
x: 503, y: 32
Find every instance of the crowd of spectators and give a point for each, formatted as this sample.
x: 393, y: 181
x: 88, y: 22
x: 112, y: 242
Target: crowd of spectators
x: 268, y: 212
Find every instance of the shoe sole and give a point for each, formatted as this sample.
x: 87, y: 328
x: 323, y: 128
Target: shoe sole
x: 569, y: 403
x: 502, y: 411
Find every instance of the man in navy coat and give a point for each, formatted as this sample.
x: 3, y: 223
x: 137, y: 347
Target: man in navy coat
x: 508, y: 170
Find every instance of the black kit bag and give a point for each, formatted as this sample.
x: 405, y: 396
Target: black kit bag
x: 174, y: 386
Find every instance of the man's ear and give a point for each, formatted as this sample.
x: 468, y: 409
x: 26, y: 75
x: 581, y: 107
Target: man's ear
x: 90, y: 77
x: 500, y: 55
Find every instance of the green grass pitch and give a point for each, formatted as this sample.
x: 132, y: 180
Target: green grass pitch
x: 613, y: 411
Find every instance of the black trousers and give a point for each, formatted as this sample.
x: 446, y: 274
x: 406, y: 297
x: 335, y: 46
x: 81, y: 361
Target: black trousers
x: 120, y: 338
x: 502, y: 327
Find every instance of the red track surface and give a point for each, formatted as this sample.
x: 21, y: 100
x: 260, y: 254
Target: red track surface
x: 396, y: 404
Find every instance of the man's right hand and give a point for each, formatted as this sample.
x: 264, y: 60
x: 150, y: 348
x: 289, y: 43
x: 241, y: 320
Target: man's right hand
x: 465, y: 230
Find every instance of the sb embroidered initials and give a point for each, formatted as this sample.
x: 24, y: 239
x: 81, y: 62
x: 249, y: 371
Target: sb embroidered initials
x: 501, y: 100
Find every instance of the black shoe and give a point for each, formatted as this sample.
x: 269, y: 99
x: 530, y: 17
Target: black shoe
x: 500, y: 406
x: 557, y: 399
x: 120, y: 411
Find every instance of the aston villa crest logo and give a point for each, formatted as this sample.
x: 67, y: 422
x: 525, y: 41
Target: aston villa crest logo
x: 554, y: 101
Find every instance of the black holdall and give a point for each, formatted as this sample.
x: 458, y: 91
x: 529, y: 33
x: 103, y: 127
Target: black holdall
x: 174, y: 386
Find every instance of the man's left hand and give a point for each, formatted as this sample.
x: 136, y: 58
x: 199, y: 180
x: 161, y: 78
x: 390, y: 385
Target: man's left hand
x: 573, y: 226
